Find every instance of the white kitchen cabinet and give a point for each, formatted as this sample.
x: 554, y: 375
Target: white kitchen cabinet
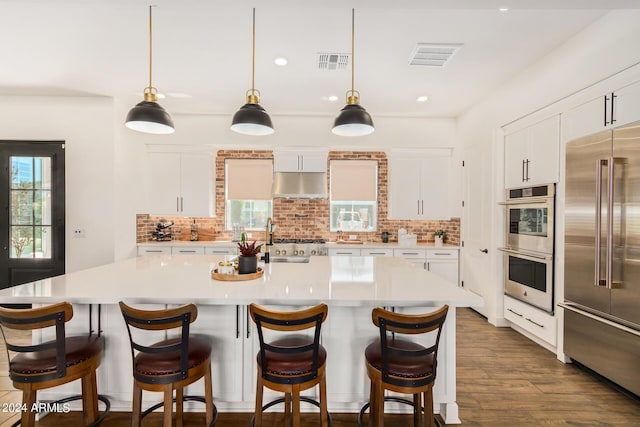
x: 418, y: 187
x: 181, y: 184
x: 153, y: 249
x: 377, y: 251
x: 443, y: 262
x: 532, y: 154
x: 413, y: 255
x: 187, y: 250
x: 607, y: 111
x: 537, y: 322
x: 221, y: 250
x: 299, y: 162
x: 344, y: 251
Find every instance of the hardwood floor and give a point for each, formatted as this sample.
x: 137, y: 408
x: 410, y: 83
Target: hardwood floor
x: 504, y: 379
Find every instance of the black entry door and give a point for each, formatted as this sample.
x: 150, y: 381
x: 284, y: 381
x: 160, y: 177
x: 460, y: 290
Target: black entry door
x: 32, y: 202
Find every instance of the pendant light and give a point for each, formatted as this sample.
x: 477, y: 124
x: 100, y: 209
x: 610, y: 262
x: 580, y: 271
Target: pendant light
x: 353, y: 119
x: 148, y: 116
x: 251, y: 118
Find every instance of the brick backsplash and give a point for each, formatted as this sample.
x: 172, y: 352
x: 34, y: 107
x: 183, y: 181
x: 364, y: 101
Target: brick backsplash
x: 301, y: 218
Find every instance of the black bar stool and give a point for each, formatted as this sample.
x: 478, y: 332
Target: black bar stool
x: 170, y: 364
x: 52, y: 363
x: 291, y: 363
x: 401, y: 365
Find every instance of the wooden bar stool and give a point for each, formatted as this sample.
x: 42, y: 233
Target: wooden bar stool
x: 52, y: 363
x: 170, y: 364
x: 401, y: 365
x: 291, y: 363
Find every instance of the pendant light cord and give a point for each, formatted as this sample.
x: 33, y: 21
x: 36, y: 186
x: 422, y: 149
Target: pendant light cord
x: 150, y: 45
x: 353, y: 23
x: 253, y: 53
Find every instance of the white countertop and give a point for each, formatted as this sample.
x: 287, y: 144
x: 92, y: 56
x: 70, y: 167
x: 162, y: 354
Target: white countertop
x: 339, y: 281
x: 370, y: 245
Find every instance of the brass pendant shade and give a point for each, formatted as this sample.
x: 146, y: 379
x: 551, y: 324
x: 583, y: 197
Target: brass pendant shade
x: 251, y: 118
x: 353, y: 119
x: 148, y: 116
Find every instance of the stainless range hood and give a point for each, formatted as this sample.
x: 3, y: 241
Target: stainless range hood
x: 301, y: 185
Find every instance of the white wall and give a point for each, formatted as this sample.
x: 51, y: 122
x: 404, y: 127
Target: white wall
x: 603, y: 49
x: 86, y: 126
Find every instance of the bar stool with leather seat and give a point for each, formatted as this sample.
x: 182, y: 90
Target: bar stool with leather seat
x: 52, y: 363
x: 170, y: 364
x: 292, y: 362
x: 401, y: 365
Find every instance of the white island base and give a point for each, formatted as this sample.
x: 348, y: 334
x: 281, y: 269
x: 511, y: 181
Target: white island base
x: 351, y: 286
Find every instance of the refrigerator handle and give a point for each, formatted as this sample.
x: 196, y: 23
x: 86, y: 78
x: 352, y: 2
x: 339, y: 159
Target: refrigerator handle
x: 613, y: 97
x: 606, y: 99
x: 600, y: 163
x: 610, y: 224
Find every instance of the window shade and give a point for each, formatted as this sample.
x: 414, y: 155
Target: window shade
x: 248, y: 179
x: 354, y: 180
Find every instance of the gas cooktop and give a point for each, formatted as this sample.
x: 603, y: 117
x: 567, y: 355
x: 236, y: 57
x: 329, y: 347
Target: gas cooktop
x: 278, y: 241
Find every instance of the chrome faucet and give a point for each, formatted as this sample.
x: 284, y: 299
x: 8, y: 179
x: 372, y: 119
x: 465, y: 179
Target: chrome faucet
x: 268, y: 239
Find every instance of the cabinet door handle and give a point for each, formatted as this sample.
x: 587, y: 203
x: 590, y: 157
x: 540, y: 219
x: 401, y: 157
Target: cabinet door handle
x: 446, y: 253
x: 423, y: 207
x: 522, y: 170
x: 485, y: 250
x: 527, y: 173
x: 535, y: 323
x: 418, y: 207
x: 237, y: 321
x: 606, y: 101
x: 248, y: 324
x: 187, y: 251
x: 517, y: 314
x: 181, y: 204
x: 410, y: 253
x: 177, y: 204
x: 151, y: 251
x: 613, y: 97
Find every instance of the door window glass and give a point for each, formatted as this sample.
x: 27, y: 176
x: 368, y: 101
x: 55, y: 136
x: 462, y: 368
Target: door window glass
x: 30, y: 207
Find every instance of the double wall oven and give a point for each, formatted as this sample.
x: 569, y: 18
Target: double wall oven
x: 529, y: 245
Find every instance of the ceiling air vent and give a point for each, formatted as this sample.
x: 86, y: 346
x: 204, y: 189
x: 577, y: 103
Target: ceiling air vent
x: 433, y: 55
x: 333, y: 61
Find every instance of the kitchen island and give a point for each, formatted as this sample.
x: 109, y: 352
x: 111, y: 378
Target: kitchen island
x: 350, y: 285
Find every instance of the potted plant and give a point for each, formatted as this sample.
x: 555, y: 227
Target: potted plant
x: 440, y: 236
x: 248, y: 259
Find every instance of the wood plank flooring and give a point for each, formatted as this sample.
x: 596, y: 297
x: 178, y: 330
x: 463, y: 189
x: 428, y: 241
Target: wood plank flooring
x: 504, y: 379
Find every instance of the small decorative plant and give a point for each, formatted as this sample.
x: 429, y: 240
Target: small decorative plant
x: 248, y: 249
x: 441, y: 234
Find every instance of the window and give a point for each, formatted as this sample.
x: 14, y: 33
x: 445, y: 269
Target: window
x: 354, y: 195
x: 248, y: 200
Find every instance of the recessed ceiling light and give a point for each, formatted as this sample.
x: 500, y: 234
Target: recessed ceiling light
x: 423, y: 98
x: 504, y: 9
x: 281, y: 61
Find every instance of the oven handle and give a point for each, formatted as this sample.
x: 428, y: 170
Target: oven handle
x: 532, y: 200
x: 526, y: 254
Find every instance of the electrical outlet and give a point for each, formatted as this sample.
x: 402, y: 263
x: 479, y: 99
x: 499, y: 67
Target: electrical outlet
x: 79, y: 233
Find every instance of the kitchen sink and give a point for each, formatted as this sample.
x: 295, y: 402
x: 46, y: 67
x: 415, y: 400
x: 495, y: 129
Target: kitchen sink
x: 296, y: 259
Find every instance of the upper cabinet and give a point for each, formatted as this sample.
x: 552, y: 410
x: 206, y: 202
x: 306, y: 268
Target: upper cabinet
x: 532, y: 154
x: 418, y: 186
x: 607, y: 111
x: 181, y: 184
x: 286, y: 161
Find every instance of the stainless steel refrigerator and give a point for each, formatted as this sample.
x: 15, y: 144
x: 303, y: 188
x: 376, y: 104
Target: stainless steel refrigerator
x: 602, y: 254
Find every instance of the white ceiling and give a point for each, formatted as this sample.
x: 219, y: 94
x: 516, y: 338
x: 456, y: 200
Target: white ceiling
x: 203, y: 49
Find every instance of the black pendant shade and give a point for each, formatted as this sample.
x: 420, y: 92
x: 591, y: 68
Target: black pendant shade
x: 149, y: 117
x: 252, y: 119
x: 353, y: 120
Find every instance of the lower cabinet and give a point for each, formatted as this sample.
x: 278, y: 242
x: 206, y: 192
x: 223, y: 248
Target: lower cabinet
x: 415, y: 256
x: 443, y: 262
x: 537, y: 322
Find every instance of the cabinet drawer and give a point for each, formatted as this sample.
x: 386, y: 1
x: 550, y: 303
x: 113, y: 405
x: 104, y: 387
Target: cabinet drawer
x: 154, y: 250
x: 410, y: 253
x: 187, y: 250
x: 344, y: 251
x: 537, y: 322
x: 220, y: 251
x: 378, y: 252
x: 442, y: 254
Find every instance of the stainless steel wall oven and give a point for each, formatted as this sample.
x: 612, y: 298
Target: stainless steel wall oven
x: 529, y: 245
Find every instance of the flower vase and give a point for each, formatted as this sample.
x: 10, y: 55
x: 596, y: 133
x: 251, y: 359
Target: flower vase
x: 438, y: 240
x: 247, y: 264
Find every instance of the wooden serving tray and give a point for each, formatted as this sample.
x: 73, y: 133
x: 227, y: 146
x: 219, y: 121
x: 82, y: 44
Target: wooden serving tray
x: 349, y: 242
x: 236, y: 277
